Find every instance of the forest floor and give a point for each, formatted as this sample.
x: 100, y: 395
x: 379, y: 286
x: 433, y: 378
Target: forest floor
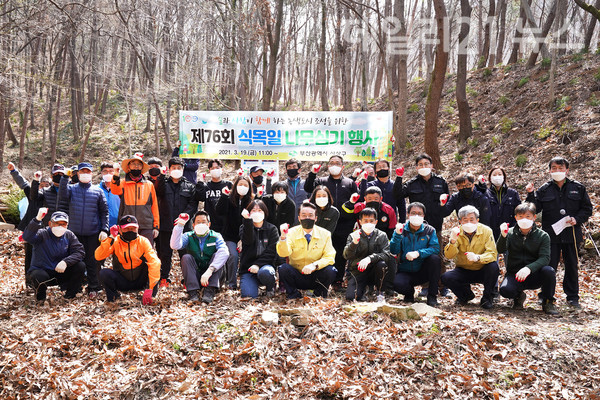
x: 87, y: 349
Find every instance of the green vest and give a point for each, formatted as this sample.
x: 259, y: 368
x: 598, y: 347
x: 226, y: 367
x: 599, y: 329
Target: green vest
x: 202, y: 256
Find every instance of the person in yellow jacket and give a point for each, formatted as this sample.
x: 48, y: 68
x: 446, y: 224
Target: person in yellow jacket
x: 473, y: 248
x: 311, y: 255
x: 135, y: 263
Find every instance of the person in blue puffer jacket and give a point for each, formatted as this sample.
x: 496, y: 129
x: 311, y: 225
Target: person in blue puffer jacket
x: 113, y: 201
x: 88, y: 212
x: 417, y: 247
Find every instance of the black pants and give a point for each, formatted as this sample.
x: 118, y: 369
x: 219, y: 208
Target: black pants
x: 459, y: 280
x: 569, y: 255
x: 114, y: 282
x: 92, y: 266
x: 357, y: 281
x: 339, y: 242
x: 28, y: 254
x: 544, y: 278
x: 319, y: 281
x: 430, y: 271
x: 70, y: 280
x: 165, y: 253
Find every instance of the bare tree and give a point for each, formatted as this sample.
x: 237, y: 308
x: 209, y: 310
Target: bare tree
x: 464, y: 111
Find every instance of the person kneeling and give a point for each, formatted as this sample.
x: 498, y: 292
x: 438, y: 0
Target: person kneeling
x: 311, y: 255
x: 206, y: 255
x: 135, y: 263
x: 528, y: 256
x: 57, y: 255
x: 475, y: 255
x: 368, y: 251
x: 417, y: 246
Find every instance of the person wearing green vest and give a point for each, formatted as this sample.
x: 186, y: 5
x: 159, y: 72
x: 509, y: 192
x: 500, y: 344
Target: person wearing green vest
x: 207, y: 252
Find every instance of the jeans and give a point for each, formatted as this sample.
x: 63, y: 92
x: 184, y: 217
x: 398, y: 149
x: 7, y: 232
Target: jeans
x: 357, y: 281
x: 544, y: 278
x: 192, y: 276
x: 71, y: 280
x: 459, y: 280
x: 319, y: 281
x: 114, y: 282
x: 430, y: 271
x: 250, y: 282
x: 231, y: 266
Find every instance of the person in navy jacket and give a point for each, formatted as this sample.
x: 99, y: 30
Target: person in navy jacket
x: 503, y: 201
x: 57, y: 255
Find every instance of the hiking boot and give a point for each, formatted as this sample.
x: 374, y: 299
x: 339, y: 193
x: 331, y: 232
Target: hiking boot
x: 487, y: 304
x: 573, y: 304
x: 432, y: 301
x: 519, y: 301
x: 409, y: 298
x: 549, y: 307
x: 193, y: 296
x: 164, y: 283
x: 444, y: 292
x: 424, y: 292
x: 464, y: 302
x: 209, y: 294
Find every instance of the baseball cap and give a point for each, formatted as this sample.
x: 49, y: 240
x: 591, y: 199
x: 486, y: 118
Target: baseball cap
x: 58, y: 169
x: 127, y: 221
x: 256, y: 168
x: 83, y: 165
x: 59, y: 216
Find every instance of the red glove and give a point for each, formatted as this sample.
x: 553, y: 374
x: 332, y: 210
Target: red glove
x: 354, y: 198
x: 400, y: 171
x: 226, y: 191
x: 241, y: 171
x: 147, y: 297
x: 271, y: 173
x: 114, y: 231
x: 315, y: 168
x: 21, y: 238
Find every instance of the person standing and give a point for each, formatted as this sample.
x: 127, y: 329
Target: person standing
x: 296, y: 191
x: 383, y: 181
x: 113, y: 201
x: 210, y: 191
x: 327, y: 214
x: 49, y: 197
x: 502, y: 199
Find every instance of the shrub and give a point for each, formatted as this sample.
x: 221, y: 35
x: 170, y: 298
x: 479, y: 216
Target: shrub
x: 543, y: 132
x: 413, y: 108
x: 458, y: 157
x: 545, y: 78
x: 577, y: 57
x: 496, y: 140
x: 486, y: 72
x: 449, y: 109
x: 487, y: 158
x: 472, y: 92
x: 503, y: 100
x: 562, y: 102
x: 597, y: 76
x: 523, y: 82
x: 506, y: 124
x: 521, y: 160
x: 594, y: 101
x: 475, y: 125
x: 546, y: 63
x: 473, y: 142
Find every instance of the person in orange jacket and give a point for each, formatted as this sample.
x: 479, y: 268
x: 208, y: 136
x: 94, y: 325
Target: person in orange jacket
x: 138, y: 196
x: 135, y: 263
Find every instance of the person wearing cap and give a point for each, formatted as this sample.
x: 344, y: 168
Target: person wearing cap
x: 138, y: 196
x: 206, y: 254
x: 257, y: 177
x: 48, y: 197
x: 135, y: 263
x: 113, y: 201
x: 176, y: 195
x: 296, y: 192
x: 88, y: 212
x: 72, y: 172
x: 57, y: 255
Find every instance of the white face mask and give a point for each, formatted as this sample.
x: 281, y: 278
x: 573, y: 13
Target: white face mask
x: 335, y: 170
x: 497, y: 180
x: 368, y: 228
x: 107, y: 178
x: 525, y: 223
x: 279, y: 197
x: 242, y: 190
x: 58, y: 231
x: 201, y: 229
x: 416, y: 220
x: 257, y: 216
x: 216, y: 173
x: 469, y: 227
x: 424, y: 171
x: 85, y: 178
x: 558, y: 176
x: 322, y: 201
x: 176, y: 173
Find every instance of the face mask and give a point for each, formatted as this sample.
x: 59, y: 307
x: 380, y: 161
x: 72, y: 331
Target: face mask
x: 525, y: 223
x: 154, y: 171
x: 216, y: 173
x: 307, y: 223
x: 334, y: 170
x: 279, y: 197
x: 322, y: 201
x: 56, y: 178
x: 258, y: 180
x: 201, y: 229
x: 107, y: 178
x: 469, y: 227
x: 292, y: 172
x: 373, y: 204
x: 258, y: 216
x: 242, y: 190
x: 129, y: 236
x: 176, y: 173
x: 558, y: 176
x: 497, y: 180
x: 383, y: 173
x: 85, y: 178
x: 58, y: 231
x: 416, y: 220
x: 370, y: 178
x: 424, y: 171
x: 135, y: 172
x: 467, y: 193
x: 368, y: 228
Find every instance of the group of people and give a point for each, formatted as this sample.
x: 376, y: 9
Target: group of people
x: 314, y: 234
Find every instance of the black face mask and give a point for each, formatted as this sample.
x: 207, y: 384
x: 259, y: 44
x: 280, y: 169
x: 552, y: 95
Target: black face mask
x: 56, y: 178
x: 135, y: 172
x: 292, y: 172
x: 75, y: 177
x: 154, y: 171
x: 383, y: 173
x: 370, y: 178
x: 373, y: 204
x: 258, y: 180
x: 467, y: 193
x: 129, y: 236
x: 307, y: 223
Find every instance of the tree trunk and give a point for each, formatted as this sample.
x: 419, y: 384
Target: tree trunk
x: 541, y: 38
x: 464, y: 111
x: 589, y: 33
x: 555, y: 51
x: 501, y: 31
x: 485, y: 52
x: 401, y: 134
x: 322, y: 72
x: 514, y: 56
x: 273, y: 40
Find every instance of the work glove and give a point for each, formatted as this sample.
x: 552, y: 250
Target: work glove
x: 254, y: 269
x: 61, y: 267
x: 472, y: 256
x: 355, y: 236
x: 147, y: 297
x: 454, y: 232
x: 522, y: 274
x: 504, y: 229
x: 41, y: 213
x: 102, y: 235
x: 399, y: 228
x: 315, y: 168
x: 364, y: 263
x: 399, y: 172
x: 309, y: 269
x: 412, y: 255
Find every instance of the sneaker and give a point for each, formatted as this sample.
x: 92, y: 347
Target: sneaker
x: 209, y: 294
x: 424, y: 292
x: 193, y: 296
x: 574, y: 304
x: 432, y: 302
x: 549, y: 307
x: 444, y: 292
x: 519, y: 301
x: 464, y: 302
x: 487, y: 304
x: 164, y: 283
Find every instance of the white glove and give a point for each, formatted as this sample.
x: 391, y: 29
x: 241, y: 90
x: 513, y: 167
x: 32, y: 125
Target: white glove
x: 356, y: 172
x: 523, y: 274
x: 245, y: 213
x: 504, y: 229
x: 364, y: 263
x: 529, y: 187
x: 355, y: 236
x: 103, y: 235
x: 399, y: 228
x: 411, y: 255
x: 315, y: 168
x: 41, y: 213
x: 309, y: 269
x: 472, y: 256
x: 284, y: 228
x: 154, y: 233
x: 254, y: 269
x: 182, y: 219
x: 37, y: 175
x: 205, y: 277
x: 202, y: 176
x: 116, y: 168
x: 454, y: 232
x: 443, y: 199
x: 60, y: 267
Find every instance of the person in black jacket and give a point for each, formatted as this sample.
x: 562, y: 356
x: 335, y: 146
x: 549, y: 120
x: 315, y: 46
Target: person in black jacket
x: 190, y: 169
x: 48, y: 197
x: 281, y: 209
x: 563, y: 199
x: 176, y: 195
x: 394, y: 198
x: 467, y: 196
x: 327, y: 214
x: 259, y: 253
x: 230, y: 206
x: 210, y: 192
x: 341, y: 189
x: 503, y: 201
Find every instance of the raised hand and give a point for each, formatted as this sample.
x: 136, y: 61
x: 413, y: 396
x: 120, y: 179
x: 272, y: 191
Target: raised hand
x: 399, y: 172
x: 315, y: 168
